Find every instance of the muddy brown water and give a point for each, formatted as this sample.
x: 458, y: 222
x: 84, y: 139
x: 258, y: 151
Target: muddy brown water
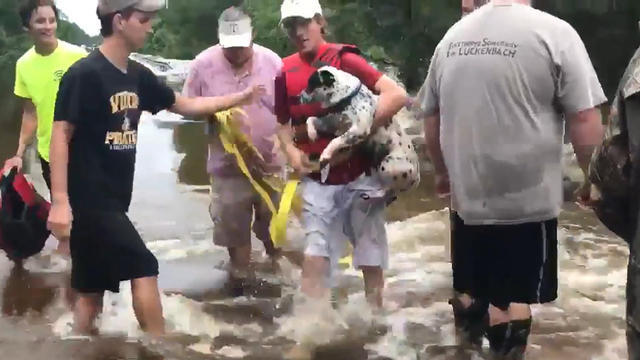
x: 208, y: 320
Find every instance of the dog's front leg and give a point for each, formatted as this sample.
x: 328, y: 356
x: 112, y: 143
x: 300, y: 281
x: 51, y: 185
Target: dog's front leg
x: 358, y: 132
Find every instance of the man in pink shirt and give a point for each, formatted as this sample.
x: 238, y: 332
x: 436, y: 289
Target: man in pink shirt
x: 232, y: 65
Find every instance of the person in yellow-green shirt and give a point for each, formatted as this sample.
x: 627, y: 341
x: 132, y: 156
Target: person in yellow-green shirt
x: 38, y: 74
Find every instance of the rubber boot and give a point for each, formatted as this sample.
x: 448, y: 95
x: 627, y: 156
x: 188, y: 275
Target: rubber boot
x: 472, y: 322
x: 497, y: 335
x: 508, y: 341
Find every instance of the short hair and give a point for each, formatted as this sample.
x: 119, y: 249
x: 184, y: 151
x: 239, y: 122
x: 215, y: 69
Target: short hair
x: 235, y: 13
x: 106, y: 20
x: 29, y: 6
x: 323, y: 22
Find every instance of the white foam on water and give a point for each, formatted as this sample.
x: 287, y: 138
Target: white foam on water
x: 313, y: 322
x: 48, y: 263
x: 48, y: 260
x: 394, y: 344
x: 174, y: 249
x: 201, y: 347
x: 615, y: 348
x: 232, y: 352
x: 418, y: 264
x: 181, y: 314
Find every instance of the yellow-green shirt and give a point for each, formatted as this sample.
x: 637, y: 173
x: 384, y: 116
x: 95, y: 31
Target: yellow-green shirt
x: 38, y: 78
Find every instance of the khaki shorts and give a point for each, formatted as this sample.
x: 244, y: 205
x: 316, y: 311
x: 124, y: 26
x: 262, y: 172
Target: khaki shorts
x: 234, y: 206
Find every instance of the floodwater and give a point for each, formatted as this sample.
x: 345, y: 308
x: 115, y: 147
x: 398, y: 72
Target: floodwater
x: 270, y: 320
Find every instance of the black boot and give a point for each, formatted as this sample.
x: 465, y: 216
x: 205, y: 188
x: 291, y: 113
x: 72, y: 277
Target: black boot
x: 471, y: 323
x: 497, y: 335
x: 508, y: 341
x: 517, y: 340
x: 633, y: 342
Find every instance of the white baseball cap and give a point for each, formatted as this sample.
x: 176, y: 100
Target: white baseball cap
x: 306, y: 9
x: 234, y: 28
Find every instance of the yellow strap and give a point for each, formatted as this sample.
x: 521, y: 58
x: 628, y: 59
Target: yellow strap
x: 231, y: 137
x: 234, y: 140
x: 278, y: 225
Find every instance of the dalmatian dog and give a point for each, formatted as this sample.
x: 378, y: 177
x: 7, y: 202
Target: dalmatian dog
x: 351, y: 108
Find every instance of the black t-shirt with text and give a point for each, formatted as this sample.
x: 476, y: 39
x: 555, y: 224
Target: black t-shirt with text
x: 104, y: 105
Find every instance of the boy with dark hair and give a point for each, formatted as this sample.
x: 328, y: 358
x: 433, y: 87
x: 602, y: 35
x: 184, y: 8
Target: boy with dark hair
x: 93, y: 149
x: 28, y: 8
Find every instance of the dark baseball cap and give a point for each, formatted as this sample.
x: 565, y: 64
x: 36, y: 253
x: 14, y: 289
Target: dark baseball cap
x: 112, y: 6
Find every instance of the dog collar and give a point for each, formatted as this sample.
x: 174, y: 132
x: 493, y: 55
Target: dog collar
x: 342, y: 104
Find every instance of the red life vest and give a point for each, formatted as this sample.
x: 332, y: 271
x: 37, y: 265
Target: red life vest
x: 296, y: 73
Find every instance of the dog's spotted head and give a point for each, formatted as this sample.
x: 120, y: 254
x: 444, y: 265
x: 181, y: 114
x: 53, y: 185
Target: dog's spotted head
x: 329, y: 86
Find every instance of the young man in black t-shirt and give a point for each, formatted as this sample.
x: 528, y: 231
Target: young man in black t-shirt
x: 93, y: 151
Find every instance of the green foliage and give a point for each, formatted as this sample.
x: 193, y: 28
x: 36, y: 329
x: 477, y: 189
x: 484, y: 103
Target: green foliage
x: 72, y: 33
x: 609, y: 30
x: 401, y: 33
x: 187, y: 28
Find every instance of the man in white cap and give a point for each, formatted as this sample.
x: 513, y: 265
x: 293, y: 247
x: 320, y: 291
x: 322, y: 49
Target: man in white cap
x: 93, y: 149
x: 349, y: 206
x: 227, y: 67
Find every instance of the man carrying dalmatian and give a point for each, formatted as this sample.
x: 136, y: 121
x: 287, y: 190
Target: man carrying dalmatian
x: 349, y: 205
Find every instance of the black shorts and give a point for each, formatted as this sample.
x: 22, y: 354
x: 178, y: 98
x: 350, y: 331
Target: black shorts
x: 105, y: 250
x: 505, y: 264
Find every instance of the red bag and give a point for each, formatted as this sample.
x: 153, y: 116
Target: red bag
x: 23, y: 217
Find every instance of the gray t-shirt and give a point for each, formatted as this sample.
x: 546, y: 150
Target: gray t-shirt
x: 502, y: 78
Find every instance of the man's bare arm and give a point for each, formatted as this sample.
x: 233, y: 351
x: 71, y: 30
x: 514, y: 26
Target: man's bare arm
x: 28, y: 127
x: 60, y: 138
x: 392, y: 98
x: 432, y: 138
x: 203, y: 106
x: 60, y: 216
x: 586, y: 132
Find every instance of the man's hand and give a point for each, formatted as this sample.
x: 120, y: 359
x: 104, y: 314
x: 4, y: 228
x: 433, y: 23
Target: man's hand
x: 583, y: 195
x: 443, y: 186
x: 60, y: 218
x: 299, y: 161
x: 15, y: 161
x: 252, y: 94
x: 260, y: 166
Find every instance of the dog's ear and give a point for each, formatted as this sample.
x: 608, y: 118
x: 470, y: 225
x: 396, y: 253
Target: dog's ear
x: 314, y: 82
x: 326, y: 78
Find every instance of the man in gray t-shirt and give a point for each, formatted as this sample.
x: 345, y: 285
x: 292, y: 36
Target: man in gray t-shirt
x: 500, y: 85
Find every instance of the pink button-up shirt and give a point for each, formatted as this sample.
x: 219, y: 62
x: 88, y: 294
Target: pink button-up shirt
x: 212, y: 75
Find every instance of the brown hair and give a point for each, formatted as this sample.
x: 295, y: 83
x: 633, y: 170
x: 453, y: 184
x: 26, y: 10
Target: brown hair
x: 323, y: 22
x: 106, y: 20
x: 29, y: 6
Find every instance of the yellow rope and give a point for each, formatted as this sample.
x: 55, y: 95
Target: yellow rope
x: 236, y: 142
